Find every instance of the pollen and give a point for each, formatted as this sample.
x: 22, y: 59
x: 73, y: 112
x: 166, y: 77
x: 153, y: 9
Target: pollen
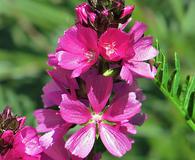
x: 96, y: 118
x: 110, y: 48
x: 90, y: 55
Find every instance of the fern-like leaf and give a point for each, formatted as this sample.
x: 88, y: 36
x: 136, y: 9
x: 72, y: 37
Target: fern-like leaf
x: 181, y: 94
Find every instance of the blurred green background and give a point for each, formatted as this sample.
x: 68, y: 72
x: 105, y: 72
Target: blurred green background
x: 29, y: 30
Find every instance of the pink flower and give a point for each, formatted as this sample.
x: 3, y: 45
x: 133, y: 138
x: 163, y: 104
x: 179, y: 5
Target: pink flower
x: 85, y: 14
x: 133, y: 49
x: 61, y: 83
x: 115, y: 45
x: 16, y: 141
x: 77, y: 50
x: 25, y: 145
x: 107, y: 120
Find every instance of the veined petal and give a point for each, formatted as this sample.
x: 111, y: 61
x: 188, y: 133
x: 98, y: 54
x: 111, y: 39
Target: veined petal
x: 69, y: 60
x: 123, y: 108
x: 144, y: 50
x: 73, y: 111
x: 78, y: 48
x: 115, y: 141
x: 81, y: 143
x: 70, y: 39
x: 142, y: 69
x: 99, y: 89
x: 88, y: 37
x: 45, y: 122
x: 126, y: 74
x: 137, y: 31
x: 28, y: 136
x: 52, y: 137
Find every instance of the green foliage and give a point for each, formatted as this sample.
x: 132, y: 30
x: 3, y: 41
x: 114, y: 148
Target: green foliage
x: 20, y: 104
x: 182, y: 95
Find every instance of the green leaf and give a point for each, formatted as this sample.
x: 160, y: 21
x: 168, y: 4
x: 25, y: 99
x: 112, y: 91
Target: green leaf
x: 182, y: 95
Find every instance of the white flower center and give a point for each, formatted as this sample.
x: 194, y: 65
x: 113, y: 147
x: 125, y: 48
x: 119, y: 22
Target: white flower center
x: 110, y: 48
x: 96, y: 118
x: 90, y: 55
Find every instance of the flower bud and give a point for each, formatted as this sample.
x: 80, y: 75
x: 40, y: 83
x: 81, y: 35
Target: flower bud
x: 85, y: 14
x: 127, y: 11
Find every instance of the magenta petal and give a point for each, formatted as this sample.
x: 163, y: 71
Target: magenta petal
x: 123, y: 108
x: 122, y: 88
x: 144, y: 50
x: 78, y: 71
x: 50, y: 138
x: 69, y: 60
x: 74, y: 111
x: 52, y: 94
x: 138, y: 119
x: 127, y: 11
x: 126, y: 74
x: 77, y: 49
x: 63, y: 78
x: 129, y: 128
x: 44, y: 120
x: 88, y: 37
x: 99, y: 89
x: 28, y: 136
x: 57, y: 151
x: 111, y: 43
x: 142, y: 69
x: 115, y: 141
x: 137, y: 31
x: 52, y: 60
x: 81, y: 143
x: 70, y: 39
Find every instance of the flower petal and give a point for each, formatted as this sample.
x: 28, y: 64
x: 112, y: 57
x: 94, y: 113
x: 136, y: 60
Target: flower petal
x: 45, y: 122
x: 81, y: 143
x: 123, y: 108
x: 137, y: 31
x: 52, y: 94
x: 84, y: 53
x: 144, y: 50
x: 28, y: 136
x: 70, y: 39
x: 99, y: 89
x: 114, y: 44
x: 63, y: 78
x: 115, y: 141
x: 50, y: 138
x: 73, y: 111
x: 126, y: 74
x: 57, y: 151
x: 142, y: 69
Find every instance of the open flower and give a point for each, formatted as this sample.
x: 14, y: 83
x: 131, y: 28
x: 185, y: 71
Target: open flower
x: 133, y: 49
x: 99, y: 119
x: 16, y: 141
x: 77, y: 50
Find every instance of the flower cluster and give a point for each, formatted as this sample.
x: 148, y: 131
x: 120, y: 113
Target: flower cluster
x: 17, y: 142
x: 95, y: 68
x: 93, y: 95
